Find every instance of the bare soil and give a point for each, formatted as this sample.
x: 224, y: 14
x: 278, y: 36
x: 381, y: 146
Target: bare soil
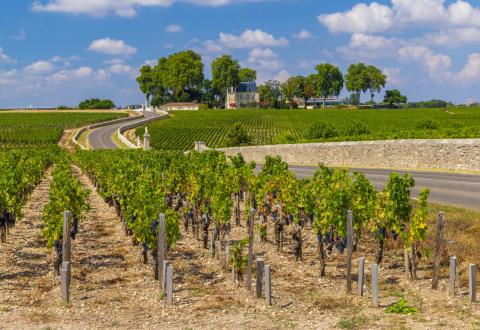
x: 112, y: 289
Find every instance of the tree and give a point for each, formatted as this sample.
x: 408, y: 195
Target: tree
x: 394, y: 97
x: 293, y: 88
x: 184, y: 74
x: 271, y: 92
x: 376, y: 80
x: 225, y: 74
x: 146, y: 82
x: 328, y: 81
x: 247, y: 75
x: 96, y: 104
x: 356, y: 80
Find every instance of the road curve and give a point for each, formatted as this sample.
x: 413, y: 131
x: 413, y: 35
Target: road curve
x: 101, y: 138
x: 453, y: 189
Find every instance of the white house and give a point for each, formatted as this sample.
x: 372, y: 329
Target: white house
x: 178, y: 106
x: 245, y: 95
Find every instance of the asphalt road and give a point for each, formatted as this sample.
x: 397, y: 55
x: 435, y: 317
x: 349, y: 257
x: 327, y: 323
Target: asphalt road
x: 461, y: 190
x: 101, y: 138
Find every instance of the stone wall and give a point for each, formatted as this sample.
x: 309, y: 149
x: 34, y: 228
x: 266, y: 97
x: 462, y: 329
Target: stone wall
x: 457, y: 155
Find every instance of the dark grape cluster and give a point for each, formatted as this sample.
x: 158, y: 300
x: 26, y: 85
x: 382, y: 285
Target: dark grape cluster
x: 74, y: 231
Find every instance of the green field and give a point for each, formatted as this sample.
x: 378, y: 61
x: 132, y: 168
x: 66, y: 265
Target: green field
x: 292, y: 126
x: 44, y: 128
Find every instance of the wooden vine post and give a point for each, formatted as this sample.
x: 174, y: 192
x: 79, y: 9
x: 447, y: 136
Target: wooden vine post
x: 268, y: 286
x: 250, y: 250
x: 65, y: 270
x: 438, y: 249
x: 361, y: 275
x: 260, y: 268
x: 453, y: 275
x: 349, y: 250
x: 161, y: 246
x: 374, y: 272
x: 169, y: 285
x: 472, y: 279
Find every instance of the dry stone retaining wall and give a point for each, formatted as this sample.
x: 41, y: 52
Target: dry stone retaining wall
x: 448, y: 154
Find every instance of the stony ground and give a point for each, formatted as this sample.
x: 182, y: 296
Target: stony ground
x: 111, y: 288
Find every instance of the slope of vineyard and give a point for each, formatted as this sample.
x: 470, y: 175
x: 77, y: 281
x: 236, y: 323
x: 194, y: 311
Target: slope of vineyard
x: 293, y: 126
x: 23, y: 129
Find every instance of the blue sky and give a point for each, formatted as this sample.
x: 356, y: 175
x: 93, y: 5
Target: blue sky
x: 61, y: 51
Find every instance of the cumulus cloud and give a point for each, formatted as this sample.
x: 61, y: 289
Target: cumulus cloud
x: 375, y: 17
x: 361, y: 18
x: 282, y: 76
x: 112, y: 47
x: 366, y: 46
x: 250, y: 39
x: 5, y: 58
x: 437, y: 65
x: 471, y: 70
x: 174, y: 28
x: 263, y: 59
x: 39, y: 67
x: 124, y: 8
x: 453, y: 37
x: 303, y: 35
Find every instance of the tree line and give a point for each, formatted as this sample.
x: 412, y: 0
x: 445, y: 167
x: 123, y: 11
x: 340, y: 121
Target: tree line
x: 180, y: 77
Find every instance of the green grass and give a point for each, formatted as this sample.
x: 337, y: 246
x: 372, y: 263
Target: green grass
x: 19, y: 129
x: 292, y: 126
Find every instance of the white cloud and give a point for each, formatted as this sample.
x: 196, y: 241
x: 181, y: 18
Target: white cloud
x: 437, y: 65
x: 263, y: 59
x: 303, y: 35
x: 366, y: 46
x: 211, y: 46
x: 453, y: 37
x: 373, y: 18
x: 282, y: 76
x: 471, y: 70
x: 112, y: 47
x: 174, y: 28
x: 250, y: 39
x: 71, y: 75
x: 5, y: 58
x: 361, y: 18
x: 38, y: 67
x: 122, y: 69
x: 394, y: 76
x: 125, y: 8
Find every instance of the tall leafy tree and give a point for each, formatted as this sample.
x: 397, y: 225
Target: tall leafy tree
x: 376, y: 80
x: 225, y: 74
x: 247, y: 75
x: 146, y: 82
x: 328, y: 81
x: 184, y: 74
x: 356, y: 79
x: 293, y: 88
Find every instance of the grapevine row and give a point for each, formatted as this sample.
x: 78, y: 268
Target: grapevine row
x: 205, y: 189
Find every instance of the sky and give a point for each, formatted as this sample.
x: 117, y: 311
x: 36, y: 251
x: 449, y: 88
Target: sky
x: 56, y: 52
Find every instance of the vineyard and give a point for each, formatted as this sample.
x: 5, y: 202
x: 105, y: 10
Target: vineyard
x: 223, y: 225
x: 297, y: 126
x: 18, y: 129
